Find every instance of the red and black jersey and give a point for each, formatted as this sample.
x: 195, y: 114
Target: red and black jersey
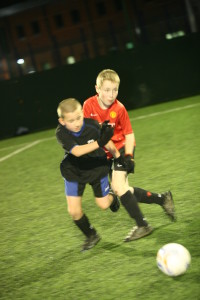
x: 116, y: 113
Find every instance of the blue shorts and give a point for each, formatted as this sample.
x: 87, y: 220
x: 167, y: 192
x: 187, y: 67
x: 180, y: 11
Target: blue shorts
x: 100, y: 188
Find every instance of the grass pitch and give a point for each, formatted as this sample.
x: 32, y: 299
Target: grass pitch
x: 40, y: 246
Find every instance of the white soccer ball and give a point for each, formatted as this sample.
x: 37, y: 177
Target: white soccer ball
x: 173, y: 259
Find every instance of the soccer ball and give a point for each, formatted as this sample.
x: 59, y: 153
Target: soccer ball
x: 173, y: 259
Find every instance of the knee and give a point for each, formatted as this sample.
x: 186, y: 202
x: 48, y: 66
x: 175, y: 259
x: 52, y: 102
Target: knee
x: 103, y: 206
x: 103, y: 203
x: 76, y: 214
x: 119, y: 190
x: 115, y: 189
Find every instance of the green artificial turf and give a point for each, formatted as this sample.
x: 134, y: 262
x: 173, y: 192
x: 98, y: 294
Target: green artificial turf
x: 40, y: 245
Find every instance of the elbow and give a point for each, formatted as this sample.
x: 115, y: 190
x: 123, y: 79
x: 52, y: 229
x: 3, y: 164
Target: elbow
x: 77, y: 154
x: 75, y: 151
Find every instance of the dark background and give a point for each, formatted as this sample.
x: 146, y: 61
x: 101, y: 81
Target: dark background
x: 153, y: 45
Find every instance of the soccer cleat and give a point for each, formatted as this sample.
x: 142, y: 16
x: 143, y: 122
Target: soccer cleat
x: 168, y: 205
x: 138, y: 232
x: 90, y: 242
x: 115, y: 205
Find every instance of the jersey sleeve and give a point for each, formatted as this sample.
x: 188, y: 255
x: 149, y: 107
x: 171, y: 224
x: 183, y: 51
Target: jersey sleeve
x: 125, y: 122
x: 65, y: 139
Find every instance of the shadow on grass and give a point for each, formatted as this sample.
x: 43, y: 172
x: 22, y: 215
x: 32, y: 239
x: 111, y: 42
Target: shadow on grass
x: 134, y: 247
x: 125, y: 249
x: 156, y: 228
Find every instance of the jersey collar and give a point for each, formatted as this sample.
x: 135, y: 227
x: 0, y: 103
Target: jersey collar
x: 79, y: 132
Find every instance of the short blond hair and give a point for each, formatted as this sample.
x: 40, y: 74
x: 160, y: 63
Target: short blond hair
x: 107, y: 74
x: 68, y: 105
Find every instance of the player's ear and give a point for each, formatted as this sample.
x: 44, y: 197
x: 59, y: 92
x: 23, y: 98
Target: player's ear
x: 60, y: 120
x: 97, y: 89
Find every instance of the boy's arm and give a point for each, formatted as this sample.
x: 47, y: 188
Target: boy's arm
x: 129, y: 143
x: 125, y: 123
x: 110, y: 146
x: 104, y: 139
x: 80, y: 150
x: 129, y: 148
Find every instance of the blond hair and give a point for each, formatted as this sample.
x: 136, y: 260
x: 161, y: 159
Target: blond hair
x: 67, y: 105
x: 107, y: 74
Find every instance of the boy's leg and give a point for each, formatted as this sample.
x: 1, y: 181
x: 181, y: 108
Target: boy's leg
x: 165, y: 200
x: 115, y: 203
x: 104, y: 202
x: 129, y: 201
x: 74, y: 192
x: 148, y: 197
x: 104, y: 195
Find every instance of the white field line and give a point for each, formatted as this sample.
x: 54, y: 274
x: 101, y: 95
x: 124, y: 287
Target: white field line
x: 19, y: 150
x: 25, y: 147
x: 164, y: 112
x: 135, y: 119
x: 19, y: 145
x: 13, y: 146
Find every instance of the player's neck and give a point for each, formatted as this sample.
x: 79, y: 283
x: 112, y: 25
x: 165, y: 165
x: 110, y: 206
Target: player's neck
x: 101, y: 104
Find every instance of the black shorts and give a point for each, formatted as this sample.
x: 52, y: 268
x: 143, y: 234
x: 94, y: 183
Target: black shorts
x: 90, y: 170
x: 100, y: 187
x: 118, y: 167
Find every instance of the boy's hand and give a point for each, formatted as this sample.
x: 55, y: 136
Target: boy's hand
x: 104, y: 126
x: 130, y: 163
x: 119, y: 164
x: 106, y: 133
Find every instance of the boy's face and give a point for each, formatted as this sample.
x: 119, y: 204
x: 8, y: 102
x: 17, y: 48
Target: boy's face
x: 73, y: 121
x: 107, y: 93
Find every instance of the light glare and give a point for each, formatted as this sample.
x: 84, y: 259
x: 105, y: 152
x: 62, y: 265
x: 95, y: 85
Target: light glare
x: 20, y: 61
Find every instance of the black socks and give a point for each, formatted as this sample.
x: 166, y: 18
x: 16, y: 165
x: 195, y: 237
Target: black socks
x: 84, y: 225
x: 148, y: 197
x: 129, y: 201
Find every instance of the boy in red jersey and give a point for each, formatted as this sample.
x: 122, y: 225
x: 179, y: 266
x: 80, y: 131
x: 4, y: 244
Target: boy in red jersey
x: 105, y: 106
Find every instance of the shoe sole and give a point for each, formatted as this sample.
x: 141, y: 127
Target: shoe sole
x: 172, y: 217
